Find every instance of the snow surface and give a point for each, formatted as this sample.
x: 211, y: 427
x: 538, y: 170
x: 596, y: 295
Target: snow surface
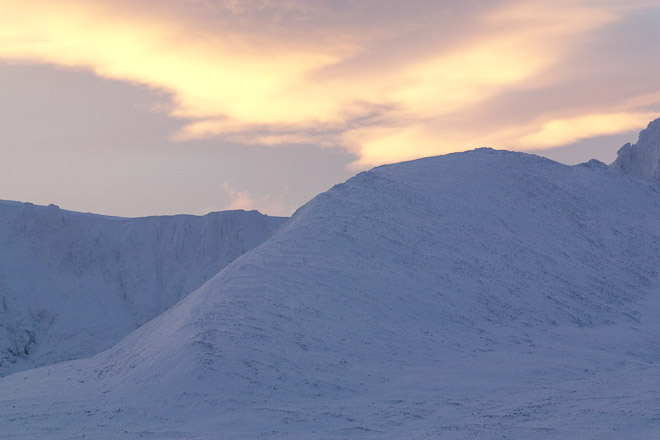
x: 643, y: 158
x: 73, y: 285
x: 478, y: 295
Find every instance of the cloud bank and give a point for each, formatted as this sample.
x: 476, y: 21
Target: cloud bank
x: 386, y: 80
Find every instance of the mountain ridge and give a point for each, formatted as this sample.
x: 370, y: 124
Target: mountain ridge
x: 72, y: 284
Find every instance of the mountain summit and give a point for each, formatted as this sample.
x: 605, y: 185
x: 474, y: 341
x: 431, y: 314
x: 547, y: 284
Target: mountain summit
x: 643, y: 158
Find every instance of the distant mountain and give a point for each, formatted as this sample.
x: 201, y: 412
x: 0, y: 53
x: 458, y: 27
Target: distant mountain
x: 485, y: 294
x: 72, y: 284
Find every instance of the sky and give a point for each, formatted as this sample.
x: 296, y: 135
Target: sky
x: 152, y: 107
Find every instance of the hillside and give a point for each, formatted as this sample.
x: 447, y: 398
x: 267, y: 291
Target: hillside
x: 72, y: 284
x: 485, y: 294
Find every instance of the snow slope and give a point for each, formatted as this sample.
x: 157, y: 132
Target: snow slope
x: 643, y: 158
x: 74, y: 284
x: 485, y: 295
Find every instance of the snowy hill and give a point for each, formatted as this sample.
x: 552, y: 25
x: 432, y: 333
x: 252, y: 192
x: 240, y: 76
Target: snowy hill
x: 74, y: 284
x: 643, y: 158
x: 485, y: 294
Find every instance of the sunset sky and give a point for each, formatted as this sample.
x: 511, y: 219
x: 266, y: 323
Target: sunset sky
x: 145, y: 107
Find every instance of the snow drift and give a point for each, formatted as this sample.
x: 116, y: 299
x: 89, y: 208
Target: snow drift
x: 485, y: 294
x: 74, y: 284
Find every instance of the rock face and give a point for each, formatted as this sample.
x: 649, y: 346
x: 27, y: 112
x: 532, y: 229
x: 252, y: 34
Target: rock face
x: 643, y: 158
x: 485, y: 294
x: 72, y: 284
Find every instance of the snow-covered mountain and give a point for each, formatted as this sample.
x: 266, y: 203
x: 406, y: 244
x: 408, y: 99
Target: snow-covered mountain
x: 74, y: 284
x: 643, y: 158
x: 485, y: 294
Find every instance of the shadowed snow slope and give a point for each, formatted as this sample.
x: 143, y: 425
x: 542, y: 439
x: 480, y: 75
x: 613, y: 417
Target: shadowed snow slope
x: 72, y: 284
x: 485, y: 294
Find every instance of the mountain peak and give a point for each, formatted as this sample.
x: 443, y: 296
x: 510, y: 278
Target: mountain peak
x: 643, y: 158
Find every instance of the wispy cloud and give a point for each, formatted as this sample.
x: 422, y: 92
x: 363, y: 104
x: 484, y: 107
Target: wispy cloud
x: 385, y: 80
x: 566, y: 131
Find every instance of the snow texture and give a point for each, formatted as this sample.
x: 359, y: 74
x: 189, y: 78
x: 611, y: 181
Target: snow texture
x: 643, y: 158
x: 480, y: 295
x: 72, y: 284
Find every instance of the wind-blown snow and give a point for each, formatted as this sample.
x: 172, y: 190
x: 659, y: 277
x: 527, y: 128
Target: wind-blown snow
x: 485, y: 294
x: 72, y: 284
x: 643, y: 158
